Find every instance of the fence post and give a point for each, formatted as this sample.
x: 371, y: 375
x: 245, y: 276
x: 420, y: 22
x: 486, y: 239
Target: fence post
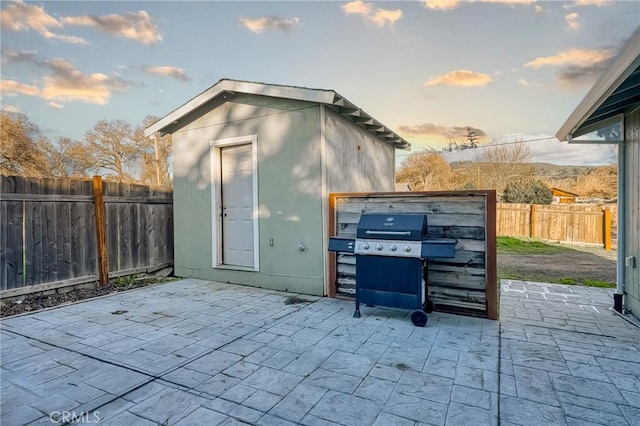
x: 532, y: 214
x: 606, y: 229
x: 101, y: 236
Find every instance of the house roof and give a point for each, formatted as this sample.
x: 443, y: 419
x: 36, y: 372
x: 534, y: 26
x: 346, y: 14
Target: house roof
x: 329, y: 98
x: 562, y: 192
x: 616, y: 92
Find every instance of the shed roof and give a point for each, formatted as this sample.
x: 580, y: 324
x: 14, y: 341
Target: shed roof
x: 329, y: 98
x: 616, y: 92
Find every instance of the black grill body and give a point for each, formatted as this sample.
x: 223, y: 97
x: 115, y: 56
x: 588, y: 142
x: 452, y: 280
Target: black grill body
x: 391, y: 254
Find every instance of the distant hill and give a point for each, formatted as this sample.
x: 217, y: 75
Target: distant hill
x: 544, y: 170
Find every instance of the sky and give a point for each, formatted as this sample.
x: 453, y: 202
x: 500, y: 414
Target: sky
x: 509, y: 69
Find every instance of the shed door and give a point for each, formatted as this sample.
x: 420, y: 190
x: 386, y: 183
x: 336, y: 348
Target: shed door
x: 237, y: 205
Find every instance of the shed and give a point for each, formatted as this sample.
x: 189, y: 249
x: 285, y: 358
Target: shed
x: 614, y: 100
x: 561, y: 196
x: 253, y: 165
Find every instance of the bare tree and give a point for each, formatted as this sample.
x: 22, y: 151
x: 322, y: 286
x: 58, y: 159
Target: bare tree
x: 503, y: 163
x: 601, y: 182
x: 111, y: 147
x: 19, y: 150
x: 156, y: 155
x: 66, y: 157
x: 425, y: 171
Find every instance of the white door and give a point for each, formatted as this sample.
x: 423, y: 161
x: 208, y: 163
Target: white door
x: 237, y: 205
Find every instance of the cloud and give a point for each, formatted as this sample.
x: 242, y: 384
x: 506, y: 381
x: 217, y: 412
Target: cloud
x: 135, y: 26
x: 19, y: 16
x: 460, y: 78
x: 596, y: 3
x: 12, y: 86
x: 575, y: 76
x: 578, y: 67
x: 65, y: 83
x: 259, y: 25
x: 357, y: 8
x: 526, y: 83
x: 539, y: 9
x: 379, y: 17
x: 55, y: 105
x: 574, y: 57
x: 434, y: 130
x: 69, y: 84
x: 168, y: 71
x: 452, y: 4
x: 573, y: 22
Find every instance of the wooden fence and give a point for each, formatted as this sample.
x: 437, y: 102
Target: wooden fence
x: 566, y: 223
x: 48, y: 231
x: 466, y: 284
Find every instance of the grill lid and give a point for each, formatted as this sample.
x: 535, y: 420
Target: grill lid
x: 410, y: 227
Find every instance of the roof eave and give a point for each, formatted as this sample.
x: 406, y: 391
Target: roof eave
x: 623, y: 65
x: 325, y: 97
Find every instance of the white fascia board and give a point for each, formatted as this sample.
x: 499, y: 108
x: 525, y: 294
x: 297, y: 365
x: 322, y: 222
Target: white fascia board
x: 622, y: 66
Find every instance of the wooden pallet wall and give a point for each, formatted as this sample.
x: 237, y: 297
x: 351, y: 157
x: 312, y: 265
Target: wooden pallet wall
x: 465, y: 284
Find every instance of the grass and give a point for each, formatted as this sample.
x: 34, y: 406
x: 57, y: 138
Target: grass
x: 587, y: 282
x: 511, y: 245
x: 598, y: 283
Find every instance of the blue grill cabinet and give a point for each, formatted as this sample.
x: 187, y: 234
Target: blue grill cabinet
x: 391, y: 252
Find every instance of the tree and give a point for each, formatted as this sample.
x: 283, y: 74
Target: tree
x: 156, y: 155
x: 111, y: 147
x: 601, y: 182
x: 529, y: 191
x: 425, y: 171
x: 503, y: 163
x: 19, y: 150
x: 66, y: 157
x: 471, y: 139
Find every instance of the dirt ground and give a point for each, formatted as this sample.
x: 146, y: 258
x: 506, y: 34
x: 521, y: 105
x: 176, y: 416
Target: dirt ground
x: 580, y: 263
x: 30, y: 303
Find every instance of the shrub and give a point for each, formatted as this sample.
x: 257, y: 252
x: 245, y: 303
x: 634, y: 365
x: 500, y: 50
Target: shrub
x: 530, y: 191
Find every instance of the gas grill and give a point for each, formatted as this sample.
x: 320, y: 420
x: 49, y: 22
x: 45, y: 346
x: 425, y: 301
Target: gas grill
x: 391, y: 266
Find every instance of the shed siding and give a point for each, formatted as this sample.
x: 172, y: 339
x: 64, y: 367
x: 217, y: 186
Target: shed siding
x: 356, y: 161
x: 289, y: 191
x: 632, y: 208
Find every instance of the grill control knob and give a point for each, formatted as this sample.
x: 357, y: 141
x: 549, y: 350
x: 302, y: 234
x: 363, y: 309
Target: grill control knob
x: 393, y: 247
x: 379, y: 247
x: 407, y: 248
x: 365, y: 246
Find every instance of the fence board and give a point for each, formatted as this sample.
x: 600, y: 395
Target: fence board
x: 33, y: 243
x: 3, y: 244
x: 576, y: 223
x: 48, y: 235
x: 15, y: 245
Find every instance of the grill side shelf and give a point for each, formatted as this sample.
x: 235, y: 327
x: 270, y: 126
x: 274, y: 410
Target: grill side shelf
x: 343, y: 245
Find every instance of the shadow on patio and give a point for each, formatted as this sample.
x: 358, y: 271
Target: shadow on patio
x: 198, y: 352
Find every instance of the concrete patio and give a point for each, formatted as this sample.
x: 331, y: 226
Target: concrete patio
x: 193, y: 352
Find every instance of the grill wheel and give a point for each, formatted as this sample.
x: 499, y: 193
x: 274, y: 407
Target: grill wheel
x: 419, y: 318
